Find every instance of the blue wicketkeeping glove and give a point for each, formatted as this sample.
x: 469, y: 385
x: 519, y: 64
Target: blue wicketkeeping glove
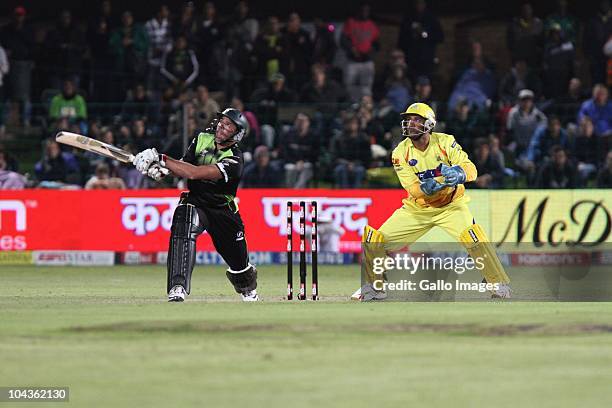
x: 453, y: 175
x: 431, y: 186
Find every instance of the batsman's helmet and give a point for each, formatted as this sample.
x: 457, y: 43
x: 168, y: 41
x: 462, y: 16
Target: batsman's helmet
x: 423, y: 110
x: 239, y: 120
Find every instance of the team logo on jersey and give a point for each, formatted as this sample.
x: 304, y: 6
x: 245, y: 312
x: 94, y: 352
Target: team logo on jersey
x: 240, y: 236
x: 413, y: 162
x: 430, y: 173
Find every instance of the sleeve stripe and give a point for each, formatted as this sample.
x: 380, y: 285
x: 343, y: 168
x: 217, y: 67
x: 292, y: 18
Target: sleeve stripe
x: 222, y: 169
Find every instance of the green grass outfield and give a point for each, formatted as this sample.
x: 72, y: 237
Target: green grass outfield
x: 109, y: 335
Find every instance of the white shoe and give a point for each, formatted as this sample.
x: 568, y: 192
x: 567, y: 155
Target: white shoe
x: 504, y: 292
x: 367, y: 293
x: 177, y: 294
x: 250, y: 296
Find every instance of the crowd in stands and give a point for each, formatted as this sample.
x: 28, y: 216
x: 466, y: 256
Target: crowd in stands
x: 319, y: 108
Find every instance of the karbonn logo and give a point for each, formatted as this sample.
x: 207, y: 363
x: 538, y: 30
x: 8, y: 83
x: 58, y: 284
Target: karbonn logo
x: 18, y: 208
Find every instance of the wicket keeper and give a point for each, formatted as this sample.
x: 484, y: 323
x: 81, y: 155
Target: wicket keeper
x: 212, y: 166
x: 433, y: 168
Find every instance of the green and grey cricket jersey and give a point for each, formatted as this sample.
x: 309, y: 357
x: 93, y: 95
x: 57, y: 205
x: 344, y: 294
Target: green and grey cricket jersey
x: 209, y: 193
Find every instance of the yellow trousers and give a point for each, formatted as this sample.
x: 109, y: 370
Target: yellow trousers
x: 409, y: 223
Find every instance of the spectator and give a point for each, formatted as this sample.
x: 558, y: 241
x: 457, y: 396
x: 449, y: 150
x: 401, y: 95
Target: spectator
x: 128, y: 45
x: 268, y: 49
x: 544, y: 138
x: 105, y: 135
x: 9, y: 178
x: 558, y: 62
x: 138, y: 104
x: 4, y: 69
x: 211, y: 49
x: 351, y: 154
x: 299, y: 152
x: 520, y: 77
x: 568, y: 104
x: 588, y: 149
x: 495, y: 150
x: 141, y: 137
x: 206, y: 108
x: 360, y: 40
x: 269, y: 98
x: 102, y: 64
x: 241, y: 35
x: 396, y: 58
x: 132, y: 178
x: 565, y: 20
x: 490, y: 167
x: 596, y: 33
x: 53, y: 166
x: 422, y: 93
x: 324, y: 44
x: 42, y: 60
x: 477, y: 85
x: 180, y: 65
x: 296, y: 52
x: 467, y: 124
x: 261, y: 173
x: 599, y: 109
x: 524, y: 37
x: 186, y: 25
x: 18, y: 42
x: 246, y: 26
x: 398, y: 88
x: 159, y: 33
x: 102, y: 180
x: 105, y: 12
x: 66, y: 46
x: 523, y: 119
x: 475, y: 56
x: 557, y: 173
x: 371, y: 124
x: 604, y: 177
x: 329, y: 234
x: 420, y: 33
x: 323, y: 92
x: 168, y: 111
x: 10, y: 163
x: 69, y: 104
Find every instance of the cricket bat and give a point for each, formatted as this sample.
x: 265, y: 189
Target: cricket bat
x: 96, y: 146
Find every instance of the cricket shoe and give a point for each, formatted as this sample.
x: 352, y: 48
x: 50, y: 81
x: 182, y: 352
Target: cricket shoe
x: 177, y: 294
x: 503, y: 292
x: 367, y: 293
x: 250, y: 296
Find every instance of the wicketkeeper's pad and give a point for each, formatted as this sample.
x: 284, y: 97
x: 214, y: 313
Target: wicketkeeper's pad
x: 478, y: 246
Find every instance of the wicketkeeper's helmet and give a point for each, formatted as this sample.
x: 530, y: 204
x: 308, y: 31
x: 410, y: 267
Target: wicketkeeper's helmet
x: 423, y: 110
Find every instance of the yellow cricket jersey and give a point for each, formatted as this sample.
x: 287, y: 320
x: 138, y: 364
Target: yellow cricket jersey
x: 414, y: 166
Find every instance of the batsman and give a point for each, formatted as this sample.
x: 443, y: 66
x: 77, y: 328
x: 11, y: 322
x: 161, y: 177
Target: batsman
x: 433, y: 168
x: 213, y: 167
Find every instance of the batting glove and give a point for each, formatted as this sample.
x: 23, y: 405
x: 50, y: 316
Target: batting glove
x: 453, y: 175
x: 156, y: 172
x: 431, y: 186
x: 145, y: 159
